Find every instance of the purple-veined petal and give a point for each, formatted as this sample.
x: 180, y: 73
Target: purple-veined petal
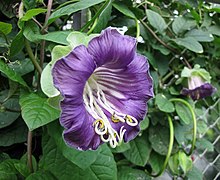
x: 111, y: 49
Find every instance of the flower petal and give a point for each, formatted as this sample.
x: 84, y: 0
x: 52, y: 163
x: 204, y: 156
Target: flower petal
x: 200, y: 92
x: 71, y: 72
x: 112, y: 49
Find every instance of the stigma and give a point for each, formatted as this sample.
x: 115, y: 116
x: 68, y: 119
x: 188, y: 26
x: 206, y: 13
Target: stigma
x: 105, y: 115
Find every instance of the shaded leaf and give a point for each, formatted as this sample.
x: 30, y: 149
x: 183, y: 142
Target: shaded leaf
x: 5, y: 28
x: 15, y: 133
x: 11, y: 74
x: 164, y: 104
x: 82, y: 159
x: 200, y: 35
x: 36, y: 111
x: 190, y: 43
x: 71, y: 8
x: 139, y: 152
x: 31, y: 13
x: 156, y: 20
x: 183, y: 112
x: 124, y: 9
x: 129, y: 173
x: 181, y: 24
x: 17, y: 44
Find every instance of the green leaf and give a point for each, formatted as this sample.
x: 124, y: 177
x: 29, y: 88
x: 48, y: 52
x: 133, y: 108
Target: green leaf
x: 189, y: 43
x: 194, y: 173
x: 11, y: 74
x: 82, y: 159
x: 15, y: 133
x: 156, y: 20
x: 204, y: 144
x: 5, y: 28
x: 159, y: 139
x: 128, y: 173
x: 32, y: 12
x: 104, y: 17
x: 183, y: 112
x: 31, y: 31
x: 17, y: 44
x: 200, y: 35
x: 7, y: 169
x: 22, y: 67
x: 215, y: 29
x: 103, y: 168
x: 164, y: 104
x: 8, y: 106
x: 156, y: 161
x: 124, y: 9
x: 41, y: 175
x: 181, y: 24
x: 71, y: 8
x: 185, y: 162
x: 57, y: 37
x: 139, y: 152
x: 36, y: 111
x: 182, y: 133
x: 144, y: 124
x: 122, y: 148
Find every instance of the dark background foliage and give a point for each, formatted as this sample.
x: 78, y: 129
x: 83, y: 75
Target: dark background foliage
x: 172, y: 34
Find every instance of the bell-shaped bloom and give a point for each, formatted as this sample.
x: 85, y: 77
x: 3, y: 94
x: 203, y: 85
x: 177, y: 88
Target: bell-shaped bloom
x: 199, y: 85
x: 198, y: 88
x: 105, y: 89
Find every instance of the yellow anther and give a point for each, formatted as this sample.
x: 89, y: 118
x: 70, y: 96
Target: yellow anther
x: 101, y: 123
x: 115, y: 120
x: 129, y: 118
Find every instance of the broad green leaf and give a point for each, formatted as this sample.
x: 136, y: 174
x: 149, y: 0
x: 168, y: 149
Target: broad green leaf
x: 161, y: 48
x: 24, y: 160
x: 31, y: 13
x: 194, y: 173
x: 9, y: 109
x: 144, y: 124
x: 122, y: 148
x: 82, y: 159
x: 22, y: 169
x: 183, y: 112
x: 7, y: 169
x: 104, y: 18
x: 36, y: 111
x: 190, y: 43
x: 128, y: 173
x: 15, y: 133
x: 139, y: 152
x: 124, y: 9
x: 32, y: 33
x: 215, y: 29
x: 185, y: 162
x: 4, y: 156
x: 22, y: 67
x: 71, y: 8
x: 52, y: 160
x: 174, y: 164
x: 159, y: 139
x: 182, y: 133
x: 156, y: 20
x: 181, y: 24
x: 200, y: 35
x: 11, y: 74
x: 204, y: 144
x: 17, y: 44
x: 156, y: 161
x: 41, y: 175
x: 164, y: 104
x: 5, y: 28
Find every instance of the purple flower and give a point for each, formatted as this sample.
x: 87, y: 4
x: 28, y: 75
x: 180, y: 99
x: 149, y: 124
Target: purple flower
x: 198, y: 88
x: 105, y: 87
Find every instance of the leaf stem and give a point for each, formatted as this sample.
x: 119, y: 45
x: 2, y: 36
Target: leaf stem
x: 32, y: 57
x: 29, y: 151
x: 169, y: 149
x: 138, y: 28
x: 194, y: 122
